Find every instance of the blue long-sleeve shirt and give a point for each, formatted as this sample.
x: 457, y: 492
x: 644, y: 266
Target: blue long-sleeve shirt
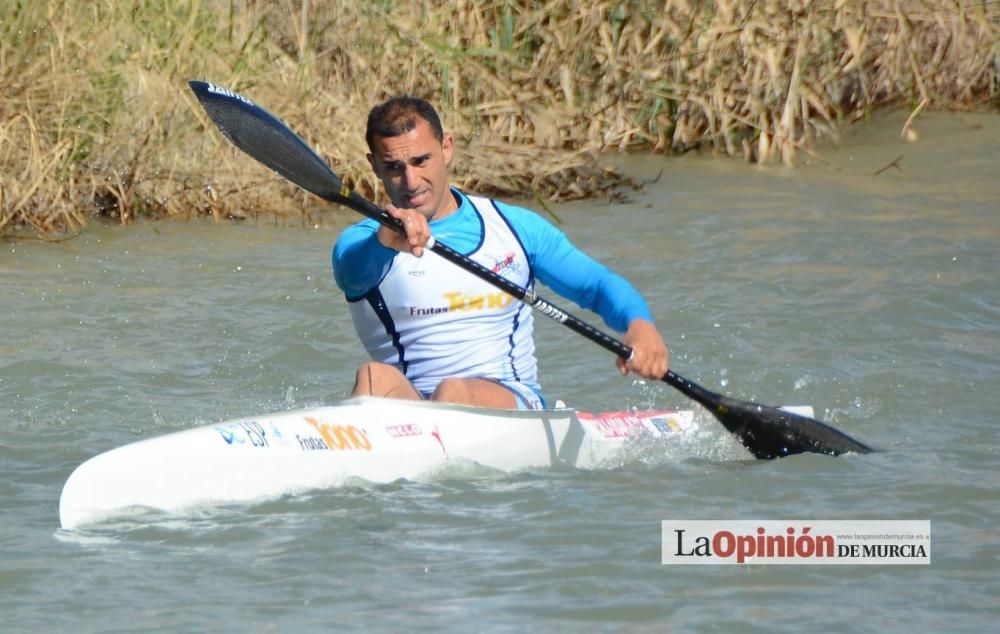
x: 360, y: 261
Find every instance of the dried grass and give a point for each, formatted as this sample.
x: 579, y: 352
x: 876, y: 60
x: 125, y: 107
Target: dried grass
x: 96, y: 119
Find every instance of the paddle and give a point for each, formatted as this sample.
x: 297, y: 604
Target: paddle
x: 768, y: 432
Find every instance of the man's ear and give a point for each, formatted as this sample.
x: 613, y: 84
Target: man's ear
x: 371, y: 161
x: 447, y: 149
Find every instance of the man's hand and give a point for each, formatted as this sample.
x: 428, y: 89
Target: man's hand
x: 418, y: 232
x: 650, y: 357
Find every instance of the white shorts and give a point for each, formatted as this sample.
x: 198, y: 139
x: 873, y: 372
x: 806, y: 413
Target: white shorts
x: 528, y: 398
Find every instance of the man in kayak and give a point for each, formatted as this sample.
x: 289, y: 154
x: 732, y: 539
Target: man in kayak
x: 436, y: 331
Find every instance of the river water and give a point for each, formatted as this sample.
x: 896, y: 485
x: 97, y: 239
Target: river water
x: 873, y: 297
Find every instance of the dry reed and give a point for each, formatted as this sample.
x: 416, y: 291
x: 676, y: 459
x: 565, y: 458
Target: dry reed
x: 96, y: 120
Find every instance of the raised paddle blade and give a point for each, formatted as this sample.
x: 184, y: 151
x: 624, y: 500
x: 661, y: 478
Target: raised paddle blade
x: 768, y: 432
x: 261, y: 135
x: 265, y: 138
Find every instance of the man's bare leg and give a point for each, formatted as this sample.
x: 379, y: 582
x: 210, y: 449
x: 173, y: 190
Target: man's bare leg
x: 480, y: 392
x: 381, y: 379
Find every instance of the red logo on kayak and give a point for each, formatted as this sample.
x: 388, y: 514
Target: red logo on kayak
x: 437, y: 435
x: 625, y: 424
x: 400, y: 431
x: 614, y: 424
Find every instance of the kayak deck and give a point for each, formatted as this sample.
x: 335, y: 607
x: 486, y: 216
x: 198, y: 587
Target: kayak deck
x: 371, y: 439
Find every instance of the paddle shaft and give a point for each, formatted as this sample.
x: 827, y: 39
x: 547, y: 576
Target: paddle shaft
x: 766, y: 431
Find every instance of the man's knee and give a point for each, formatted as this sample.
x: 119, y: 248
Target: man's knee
x: 451, y: 390
x: 381, y: 379
x: 479, y: 392
x: 373, y: 371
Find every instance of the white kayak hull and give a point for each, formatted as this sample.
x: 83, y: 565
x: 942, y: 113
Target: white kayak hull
x: 369, y: 439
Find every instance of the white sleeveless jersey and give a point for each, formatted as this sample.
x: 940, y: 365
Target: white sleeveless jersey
x: 433, y: 320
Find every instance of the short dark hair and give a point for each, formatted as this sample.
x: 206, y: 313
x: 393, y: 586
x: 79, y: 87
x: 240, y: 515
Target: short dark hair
x: 398, y: 115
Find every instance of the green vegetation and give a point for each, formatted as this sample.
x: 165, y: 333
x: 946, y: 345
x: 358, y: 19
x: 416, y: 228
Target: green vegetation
x: 96, y: 118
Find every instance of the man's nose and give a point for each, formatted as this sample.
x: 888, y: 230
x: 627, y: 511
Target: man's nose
x: 410, y: 177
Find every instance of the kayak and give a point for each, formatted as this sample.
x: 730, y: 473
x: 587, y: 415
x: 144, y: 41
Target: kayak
x: 361, y: 439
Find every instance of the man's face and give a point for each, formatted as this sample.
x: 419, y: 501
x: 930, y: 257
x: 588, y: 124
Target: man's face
x: 413, y: 168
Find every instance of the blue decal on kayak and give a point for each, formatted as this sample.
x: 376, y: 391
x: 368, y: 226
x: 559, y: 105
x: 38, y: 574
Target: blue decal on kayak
x: 255, y: 433
x: 229, y: 434
x: 661, y: 424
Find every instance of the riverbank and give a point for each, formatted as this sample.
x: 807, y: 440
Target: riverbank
x: 96, y: 119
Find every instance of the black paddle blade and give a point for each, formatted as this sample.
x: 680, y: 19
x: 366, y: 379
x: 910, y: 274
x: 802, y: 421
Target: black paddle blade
x: 769, y: 432
x: 265, y: 138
